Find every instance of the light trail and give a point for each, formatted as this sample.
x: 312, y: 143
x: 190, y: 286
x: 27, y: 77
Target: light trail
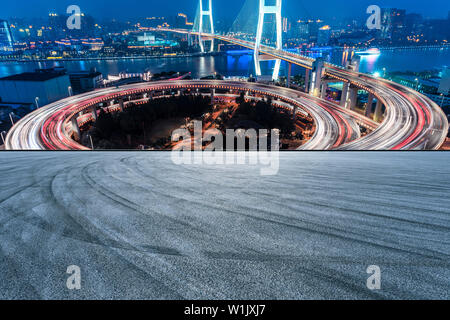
x: 411, y: 122
x: 50, y: 126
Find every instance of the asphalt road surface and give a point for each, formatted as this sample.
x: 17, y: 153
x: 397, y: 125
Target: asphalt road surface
x: 140, y: 226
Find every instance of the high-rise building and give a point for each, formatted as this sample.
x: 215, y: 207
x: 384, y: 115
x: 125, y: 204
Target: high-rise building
x: 393, y: 24
x: 301, y: 30
x: 6, y: 38
x: 323, y: 36
x: 444, y: 86
x: 286, y: 25
x: 307, y: 30
x: 413, y: 21
x: 314, y: 26
x: 436, y: 31
x: 55, y: 21
x: 56, y: 24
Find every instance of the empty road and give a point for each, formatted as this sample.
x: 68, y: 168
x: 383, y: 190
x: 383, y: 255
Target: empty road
x: 140, y: 226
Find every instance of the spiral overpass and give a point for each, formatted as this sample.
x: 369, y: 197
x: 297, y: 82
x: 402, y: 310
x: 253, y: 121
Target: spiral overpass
x: 411, y: 121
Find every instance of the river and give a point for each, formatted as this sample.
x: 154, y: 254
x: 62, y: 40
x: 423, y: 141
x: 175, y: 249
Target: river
x: 240, y: 63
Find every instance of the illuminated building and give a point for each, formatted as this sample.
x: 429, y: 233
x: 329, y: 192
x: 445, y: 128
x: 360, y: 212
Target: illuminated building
x: 323, y: 35
x: 393, y: 24
x: 147, y: 40
x: 6, y: 39
x: 444, y: 86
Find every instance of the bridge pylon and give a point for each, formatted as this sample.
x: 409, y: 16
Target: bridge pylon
x: 263, y: 10
x: 205, y: 13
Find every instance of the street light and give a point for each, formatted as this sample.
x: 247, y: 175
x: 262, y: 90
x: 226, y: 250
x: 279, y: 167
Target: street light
x: 3, y: 136
x: 69, y: 88
x: 37, y: 102
x: 11, y: 118
x: 92, y: 144
x: 442, y: 101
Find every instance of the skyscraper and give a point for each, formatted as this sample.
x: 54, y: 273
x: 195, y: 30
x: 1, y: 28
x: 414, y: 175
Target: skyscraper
x: 323, y: 36
x: 301, y: 30
x: 444, y: 86
x: 6, y: 39
x: 393, y: 24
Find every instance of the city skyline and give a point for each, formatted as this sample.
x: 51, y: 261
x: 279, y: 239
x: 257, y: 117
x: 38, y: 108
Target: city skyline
x: 224, y: 9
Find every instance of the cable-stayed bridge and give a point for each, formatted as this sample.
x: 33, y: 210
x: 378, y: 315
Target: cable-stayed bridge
x: 402, y: 109
x: 403, y: 118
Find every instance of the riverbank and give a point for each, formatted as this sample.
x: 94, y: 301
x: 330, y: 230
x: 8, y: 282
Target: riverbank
x: 167, y: 56
x: 235, y: 64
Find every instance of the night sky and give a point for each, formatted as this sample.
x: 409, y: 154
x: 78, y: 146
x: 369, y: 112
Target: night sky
x: 223, y: 8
